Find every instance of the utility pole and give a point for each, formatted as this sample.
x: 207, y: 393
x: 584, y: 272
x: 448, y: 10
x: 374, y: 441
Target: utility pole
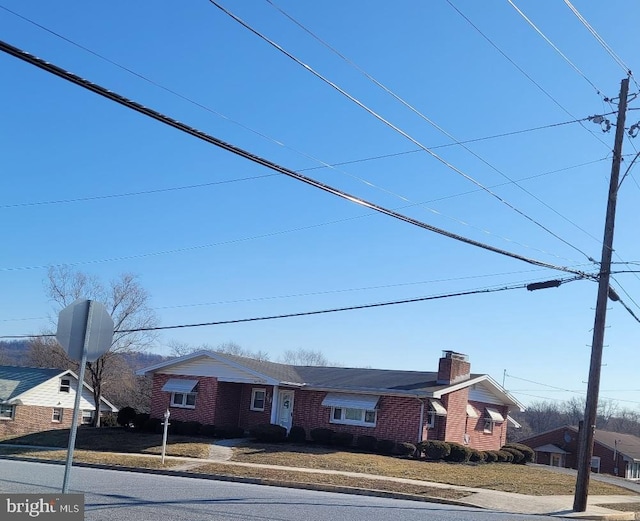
x: 593, y: 388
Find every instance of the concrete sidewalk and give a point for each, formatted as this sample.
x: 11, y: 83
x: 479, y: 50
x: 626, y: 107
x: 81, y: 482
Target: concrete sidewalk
x: 508, y: 502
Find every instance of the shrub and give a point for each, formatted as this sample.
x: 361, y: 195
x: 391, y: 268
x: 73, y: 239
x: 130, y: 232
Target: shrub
x: 108, y: 419
x: 229, y: 432
x: 140, y: 421
x: 268, y: 433
x: 490, y: 456
x: 406, y: 449
x: 175, y: 426
x: 366, y: 443
x: 191, y: 428
x: 504, y: 457
x: 208, y: 430
x: 297, y: 434
x: 385, y: 446
x: 342, y: 439
x: 322, y: 435
x: 434, y: 450
x: 518, y: 457
x: 459, y: 453
x: 527, y: 451
x: 126, y: 415
x: 477, y: 456
x: 153, y: 425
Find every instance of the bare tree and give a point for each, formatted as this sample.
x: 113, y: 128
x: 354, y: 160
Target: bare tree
x: 46, y: 352
x: 230, y: 348
x: 303, y: 356
x: 127, y: 303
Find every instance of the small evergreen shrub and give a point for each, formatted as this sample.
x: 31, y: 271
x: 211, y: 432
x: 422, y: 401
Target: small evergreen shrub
x: 529, y: 454
x: 385, y: 447
x: 140, y: 421
x: 406, y: 449
x: 108, y: 419
x: 342, y: 439
x: 458, y: 453
x: 229, y: 432
x: 477, y: 456
x: 208, y: 430
x: 367, y: 443
x: 153, y: 425
x: 297, y: 434
x: 175, y: 426
x: 518, y: 457
x: 322, y: 435
x: 268, y: 433
x: 504, y: 457
x: 434, y: 450
x: 126, y: 415
x: 490, y: 456
x: 191, y: 428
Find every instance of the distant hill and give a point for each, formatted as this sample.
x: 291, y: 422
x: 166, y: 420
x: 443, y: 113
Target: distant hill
x: 14, y: 353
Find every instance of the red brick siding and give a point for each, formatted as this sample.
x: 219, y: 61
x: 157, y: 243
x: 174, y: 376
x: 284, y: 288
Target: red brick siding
x: 248, y: 418
x: 205, y: 408
x: 31, y: 418
x: 452, y: 370
x: 478, y: 439
x: 456, y: 405
x: 398, y: 419
x: 227, y: 410
x: 557, y: 437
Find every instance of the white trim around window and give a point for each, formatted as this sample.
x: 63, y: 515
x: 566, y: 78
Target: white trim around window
x: 183, y: 400
x: 56, y: 416
x: 349, y: 416
x: 7, y: 412
x: 258, y: 399
x: 65, y: 385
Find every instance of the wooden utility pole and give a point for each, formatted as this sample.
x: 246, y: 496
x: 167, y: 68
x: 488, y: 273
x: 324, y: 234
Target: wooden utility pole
x: 593, y: 388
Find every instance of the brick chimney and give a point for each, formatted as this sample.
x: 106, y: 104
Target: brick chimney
x: 453, y: 368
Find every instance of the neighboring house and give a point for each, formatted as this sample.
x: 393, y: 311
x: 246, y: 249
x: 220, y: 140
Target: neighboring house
x: 613, y: 453
x: 35, y: 399
x: 231, y: 391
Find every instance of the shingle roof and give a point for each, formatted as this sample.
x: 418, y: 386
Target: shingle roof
x: 17, y: 380
x: 346, y: 378
x: 627, y: 444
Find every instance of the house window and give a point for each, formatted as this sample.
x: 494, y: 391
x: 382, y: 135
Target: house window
x: 184, y: 400
x: 488, y: 425
x: 351, y: 416
x: 87, y: 417
x: 7, y: 412
x: 431, y: 419
x: 65, y: 385
x: 56, y: 417
x: 258, y: 398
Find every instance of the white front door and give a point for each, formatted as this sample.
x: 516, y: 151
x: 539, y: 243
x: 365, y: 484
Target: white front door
x: 285, y: 409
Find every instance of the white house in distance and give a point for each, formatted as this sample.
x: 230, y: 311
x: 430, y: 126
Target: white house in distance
x: 35, y: 399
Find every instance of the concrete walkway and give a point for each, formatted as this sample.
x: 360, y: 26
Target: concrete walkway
x: 560, y: 506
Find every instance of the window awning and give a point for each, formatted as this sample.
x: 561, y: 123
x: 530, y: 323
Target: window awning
x: 513, y: 422
x: 367, y: 402
x: 471, y: 411
x: 494, y: 414
x: 438, y: 408
x: 175, y: 385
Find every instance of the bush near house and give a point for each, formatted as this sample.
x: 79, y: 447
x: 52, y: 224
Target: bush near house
x: 458, y: 453
x: 140, y: 421
x: 322, y: 435
x: 406, y: 449
x: 367, y: 443
x: 342, y: 439
x: 385, y: 447
x: 126, y: 416
x: 518, y: 457
x: 477, y: 456
x: 297, y: 434
x: 490, y: 456
x: 108, y: 419
x: 434, y: 450
x: 504, y: 457
x: 268, y: 433
x: 229, y: 432
x: 528, y: 452
x: 208, y: 430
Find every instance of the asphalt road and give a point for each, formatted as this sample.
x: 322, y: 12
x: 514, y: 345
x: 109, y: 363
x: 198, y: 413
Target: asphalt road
x: 115, y: 495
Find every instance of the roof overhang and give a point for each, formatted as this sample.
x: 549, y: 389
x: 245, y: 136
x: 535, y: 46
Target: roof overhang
x: 549, y: 447
x: 179, y: 385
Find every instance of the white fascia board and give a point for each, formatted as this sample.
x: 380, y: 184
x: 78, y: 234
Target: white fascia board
x: 467, y: 383
x: 221, y: 358
x: 498, y: 390
x: 173, y: 361
x: 420, y: 395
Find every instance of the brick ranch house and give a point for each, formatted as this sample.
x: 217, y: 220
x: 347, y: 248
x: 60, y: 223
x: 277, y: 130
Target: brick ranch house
x: 36, y: 399
x: 613, y: 453
x: 231, y: 391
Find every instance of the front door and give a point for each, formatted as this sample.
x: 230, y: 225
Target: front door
x: 285, y: 409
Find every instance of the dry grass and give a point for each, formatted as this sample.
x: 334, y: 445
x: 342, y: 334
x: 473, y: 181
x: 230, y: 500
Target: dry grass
x: 117, y: 439
x: 496, y: 476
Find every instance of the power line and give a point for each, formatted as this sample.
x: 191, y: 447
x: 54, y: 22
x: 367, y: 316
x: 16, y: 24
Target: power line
x: 310, y: 313
x: 522, y: 71
x: 97, y: 89
x: 394, y: 127
x: 564, y: 56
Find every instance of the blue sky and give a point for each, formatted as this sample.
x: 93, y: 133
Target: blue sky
x: 220, y: 238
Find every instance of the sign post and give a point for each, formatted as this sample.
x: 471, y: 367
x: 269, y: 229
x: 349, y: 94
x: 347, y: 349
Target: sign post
x: 85, y: 331
x: 164, y: 434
